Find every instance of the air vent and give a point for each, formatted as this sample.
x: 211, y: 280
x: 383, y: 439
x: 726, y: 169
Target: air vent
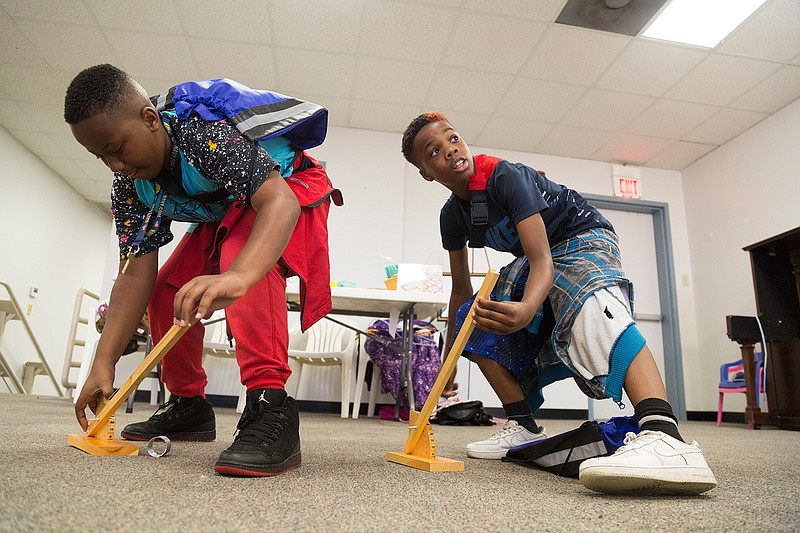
x: 614, y: 16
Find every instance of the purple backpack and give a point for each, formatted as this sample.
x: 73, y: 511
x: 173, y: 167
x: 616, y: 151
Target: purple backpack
x: 424, y: 368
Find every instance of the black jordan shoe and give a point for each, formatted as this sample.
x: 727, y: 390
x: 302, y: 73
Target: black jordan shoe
x: 268, y: 441
x: 179, y: 419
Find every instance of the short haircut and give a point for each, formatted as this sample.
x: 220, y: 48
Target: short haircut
x: 95, y: 90
x: 414, y: 128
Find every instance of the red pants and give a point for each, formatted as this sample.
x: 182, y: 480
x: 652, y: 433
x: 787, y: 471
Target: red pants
x: 257, y: 320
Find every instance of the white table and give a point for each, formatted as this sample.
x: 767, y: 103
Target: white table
x: 399, y: 306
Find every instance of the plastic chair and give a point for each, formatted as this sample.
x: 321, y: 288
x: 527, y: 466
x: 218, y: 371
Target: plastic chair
x: 375, y: 384
x: 731, y: 379
x: 326, y: 343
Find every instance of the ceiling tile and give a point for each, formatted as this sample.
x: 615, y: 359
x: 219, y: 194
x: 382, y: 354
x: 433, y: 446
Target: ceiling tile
x: 250, y: 64
x: 403, y: 31
x: 31, y: 84
x: 307, y: 71
x: 39, y: 143
x: 153, y: 55
x: 573, y: 55
x: 242, y: 20
x: 772, y: 94
x: 544, y: 10
x: 724, y: 126
x: 49, y: 39
x: 679, y: 155
x: 85, y: 187
x: 670, y: 119
x: 389, y: 80
x: 720, y: 79
x: 631, y: 149
x: 62, y: 166
x: 489, y: 43
x: 573, y: 142
x: 13, y: 117
x: 512, y: 134
x: 141, y: 15
x: 650, y: 68
x: 606, y: 110
x: 15, y: 46
x: 94, y: 169
x: 317, y: 24
x: 46, y: 117
x: 72, y: 148
x: 154, y: 86
x: 460, y: 89
x: 65, y: 11
x: 381, y: 116
x: 543, y: 101
x: 376, y: 65
x: 780, y: 19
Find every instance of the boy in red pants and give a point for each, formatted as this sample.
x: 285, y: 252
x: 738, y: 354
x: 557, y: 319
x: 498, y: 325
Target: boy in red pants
x: 260, y: 208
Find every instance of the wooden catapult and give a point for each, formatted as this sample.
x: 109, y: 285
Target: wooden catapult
x: 420, y: 447
x: 99, y: 437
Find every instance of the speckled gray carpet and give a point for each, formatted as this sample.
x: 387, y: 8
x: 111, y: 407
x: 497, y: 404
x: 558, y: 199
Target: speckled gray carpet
x: 346, y: 484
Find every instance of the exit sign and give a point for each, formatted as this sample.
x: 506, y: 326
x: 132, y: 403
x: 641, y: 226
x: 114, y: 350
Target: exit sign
x: 627, y: 187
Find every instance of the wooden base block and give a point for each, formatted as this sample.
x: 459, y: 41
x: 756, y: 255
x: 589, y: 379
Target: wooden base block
x: 434, y: 464
x: 102, y: 447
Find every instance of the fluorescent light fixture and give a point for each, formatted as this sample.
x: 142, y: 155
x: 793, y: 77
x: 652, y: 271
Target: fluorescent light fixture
x: 700, y: 22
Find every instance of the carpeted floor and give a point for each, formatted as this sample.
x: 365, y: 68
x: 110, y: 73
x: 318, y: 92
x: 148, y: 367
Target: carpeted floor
x: 346, y: 484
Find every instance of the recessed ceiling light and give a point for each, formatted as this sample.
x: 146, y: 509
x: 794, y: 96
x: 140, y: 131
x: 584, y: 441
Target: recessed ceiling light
x: 700, y: 22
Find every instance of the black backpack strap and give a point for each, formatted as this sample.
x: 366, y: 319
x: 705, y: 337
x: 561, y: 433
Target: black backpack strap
x: 479, y: 218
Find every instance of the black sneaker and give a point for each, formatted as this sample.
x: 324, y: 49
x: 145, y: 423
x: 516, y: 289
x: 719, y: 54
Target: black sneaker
x: 179, y: 419
x: 268, y: 441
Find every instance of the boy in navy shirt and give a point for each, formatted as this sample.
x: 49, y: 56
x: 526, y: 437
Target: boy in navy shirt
x: 562, y: 308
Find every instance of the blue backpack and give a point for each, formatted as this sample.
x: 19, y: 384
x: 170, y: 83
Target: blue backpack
x: 275, y: 121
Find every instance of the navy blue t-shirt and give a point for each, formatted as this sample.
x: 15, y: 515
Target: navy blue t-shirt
x: 513, y: 193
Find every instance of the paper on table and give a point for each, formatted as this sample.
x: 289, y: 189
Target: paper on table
x: 413, y: 277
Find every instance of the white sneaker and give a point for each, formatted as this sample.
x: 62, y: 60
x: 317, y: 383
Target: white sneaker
x: 650, y: 462
x: 496, y: 446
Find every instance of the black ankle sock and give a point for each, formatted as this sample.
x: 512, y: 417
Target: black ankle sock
x: 655, y: 414
x: 520, y: 412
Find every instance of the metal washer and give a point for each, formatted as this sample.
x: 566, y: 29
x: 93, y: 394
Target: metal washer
x: 151, y: 449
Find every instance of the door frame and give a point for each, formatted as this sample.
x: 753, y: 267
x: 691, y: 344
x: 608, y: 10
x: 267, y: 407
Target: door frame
x: 667, y: 291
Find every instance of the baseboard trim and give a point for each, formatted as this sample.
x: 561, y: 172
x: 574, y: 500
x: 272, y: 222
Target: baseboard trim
x: 314, y: 406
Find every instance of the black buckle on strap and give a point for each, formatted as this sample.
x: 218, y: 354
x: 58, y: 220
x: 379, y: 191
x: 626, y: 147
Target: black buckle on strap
x: 479, y: 218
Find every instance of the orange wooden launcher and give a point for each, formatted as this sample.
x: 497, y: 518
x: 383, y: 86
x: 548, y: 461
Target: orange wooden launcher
x: 99, y: 437
x: 420, y: 448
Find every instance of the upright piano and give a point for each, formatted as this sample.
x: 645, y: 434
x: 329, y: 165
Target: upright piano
x: 775, y: 264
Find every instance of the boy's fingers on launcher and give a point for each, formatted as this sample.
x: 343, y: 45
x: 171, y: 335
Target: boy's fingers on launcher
x: 185, y: 304
x: 91, y: 402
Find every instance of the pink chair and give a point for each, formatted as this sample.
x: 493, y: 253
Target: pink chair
x: 731, y: 379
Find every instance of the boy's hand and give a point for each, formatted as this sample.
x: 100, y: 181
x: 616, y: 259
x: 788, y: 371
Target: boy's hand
x: 203, y: 295
x: 99, y: 386
x: 501, y: 317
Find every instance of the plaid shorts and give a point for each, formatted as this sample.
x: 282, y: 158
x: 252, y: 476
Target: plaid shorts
x: 582, y: 265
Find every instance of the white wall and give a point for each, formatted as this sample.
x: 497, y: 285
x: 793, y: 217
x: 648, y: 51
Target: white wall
x: 390, y: 211
x: 743, y: 192
x: 53, y: 239
x: 735, y: 196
